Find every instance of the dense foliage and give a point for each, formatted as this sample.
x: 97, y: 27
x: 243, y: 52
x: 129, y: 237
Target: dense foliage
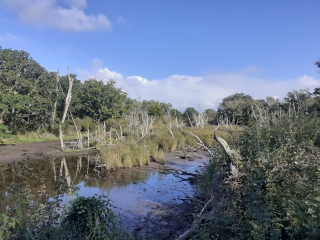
x: 276, y: 195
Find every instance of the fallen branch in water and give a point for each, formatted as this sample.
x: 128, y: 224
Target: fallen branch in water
x: 184, y: 172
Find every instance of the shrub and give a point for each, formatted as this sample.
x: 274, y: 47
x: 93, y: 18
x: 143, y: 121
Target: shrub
x: 90, y: 218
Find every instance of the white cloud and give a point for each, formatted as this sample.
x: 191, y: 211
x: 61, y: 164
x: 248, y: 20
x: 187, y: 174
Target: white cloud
x: 10, y: 37
x: 99, y: 73
x: 207, y: 91
x: 308, y: 82
x: 46, y: 13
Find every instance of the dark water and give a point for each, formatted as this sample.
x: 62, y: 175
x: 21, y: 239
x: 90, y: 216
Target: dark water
x: 136, y: 193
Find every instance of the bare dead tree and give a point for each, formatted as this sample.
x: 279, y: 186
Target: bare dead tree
x: 200, y: 118
x: 225, y: 121
x: 190, y: 122
x: 138, y: 121
x: 167, y: 117
x: 68, y: 98
x: 203, y: 145
x: 66, y: 106
x: 261, y: 116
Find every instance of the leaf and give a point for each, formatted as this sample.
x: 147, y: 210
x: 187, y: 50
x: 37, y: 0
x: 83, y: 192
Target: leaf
x: 253, y: 224
x: 311, y: 211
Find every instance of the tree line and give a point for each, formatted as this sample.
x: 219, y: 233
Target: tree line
x: 32, y: 98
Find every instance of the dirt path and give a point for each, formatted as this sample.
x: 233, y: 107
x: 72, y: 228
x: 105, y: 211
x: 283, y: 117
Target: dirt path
x: 39, y: 150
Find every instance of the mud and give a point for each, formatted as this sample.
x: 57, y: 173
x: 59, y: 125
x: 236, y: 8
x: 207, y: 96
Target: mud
x: 38, y: 150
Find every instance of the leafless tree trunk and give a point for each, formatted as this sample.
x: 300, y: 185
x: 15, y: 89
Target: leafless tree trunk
x: 199, y: 118
x: 68, y: 98
x: 66, y: 106
x: 61, y: 137
x: 233, y: 156
x: 139, y: 122
x: 78, y: 132
x: 191, y: 125
x: 175, y: 112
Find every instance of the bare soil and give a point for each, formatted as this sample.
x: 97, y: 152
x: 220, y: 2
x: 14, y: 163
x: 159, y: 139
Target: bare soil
x: 38, y: 150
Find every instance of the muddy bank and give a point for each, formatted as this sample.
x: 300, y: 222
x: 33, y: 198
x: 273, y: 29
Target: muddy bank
x: 38, y: 150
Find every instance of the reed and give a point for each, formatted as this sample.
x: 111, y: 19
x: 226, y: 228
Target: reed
x: 131, y: 153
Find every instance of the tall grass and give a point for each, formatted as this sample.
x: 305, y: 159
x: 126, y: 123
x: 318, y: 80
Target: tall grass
x: 131, y: 153
x: 125, y: 155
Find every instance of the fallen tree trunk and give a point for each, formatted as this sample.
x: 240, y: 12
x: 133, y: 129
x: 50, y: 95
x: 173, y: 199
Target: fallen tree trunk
x: 233, y: 156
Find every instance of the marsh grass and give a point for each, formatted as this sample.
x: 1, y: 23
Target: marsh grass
x: 131, y: 153
x: 125, y: 155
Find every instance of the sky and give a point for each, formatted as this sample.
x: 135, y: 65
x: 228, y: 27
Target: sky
x: 185, y: 52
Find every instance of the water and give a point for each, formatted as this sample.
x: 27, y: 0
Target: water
x: 143, y: 196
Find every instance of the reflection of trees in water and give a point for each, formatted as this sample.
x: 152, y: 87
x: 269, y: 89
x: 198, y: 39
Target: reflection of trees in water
x: 48, y: 178
x: 119, y: 179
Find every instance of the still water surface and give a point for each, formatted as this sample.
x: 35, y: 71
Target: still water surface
x: 137, y: 193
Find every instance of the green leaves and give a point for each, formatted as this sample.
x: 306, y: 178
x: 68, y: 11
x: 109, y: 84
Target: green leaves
x: 90, y: 216
x: 101, y: 101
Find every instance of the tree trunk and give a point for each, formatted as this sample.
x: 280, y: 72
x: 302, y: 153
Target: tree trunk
x: 232, y: 155
x: 68, y: 98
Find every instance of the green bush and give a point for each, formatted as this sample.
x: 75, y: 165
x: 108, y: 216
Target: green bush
x: 277, y: 195
x: 281, y: 171
x: 90, y: 218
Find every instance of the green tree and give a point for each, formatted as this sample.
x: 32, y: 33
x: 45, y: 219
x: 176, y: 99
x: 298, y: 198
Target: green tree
x: 188, y: 116
x: 101, y: 101
x: 19, y: 72
x: 298, y: 100
x: 236, y: 107
x: 176, y: 112
x: 26, y: 91
x: 317, y: 63
x: 211, y: 116
x: 156, y: 108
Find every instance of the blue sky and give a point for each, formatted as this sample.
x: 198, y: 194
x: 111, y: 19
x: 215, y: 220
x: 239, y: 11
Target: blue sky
x: 188, y: 53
